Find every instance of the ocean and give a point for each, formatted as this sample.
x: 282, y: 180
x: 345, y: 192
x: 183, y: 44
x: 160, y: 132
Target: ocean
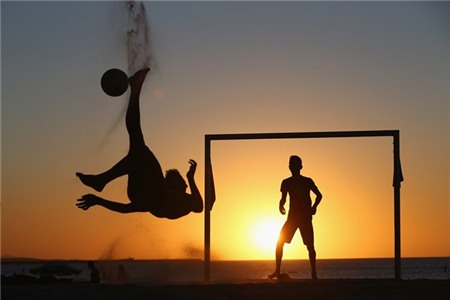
x: 189, y: 271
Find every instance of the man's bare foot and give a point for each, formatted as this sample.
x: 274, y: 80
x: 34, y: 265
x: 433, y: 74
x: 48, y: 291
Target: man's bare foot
x: 91, y: 181
x: 138, y: 78
x: 314, y: 276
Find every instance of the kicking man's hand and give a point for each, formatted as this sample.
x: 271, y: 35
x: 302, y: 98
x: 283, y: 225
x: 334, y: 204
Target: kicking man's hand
x: 86, y: 201
x: 192, y: 168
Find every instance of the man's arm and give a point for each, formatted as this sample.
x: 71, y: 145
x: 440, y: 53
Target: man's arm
x: 318, y: 194
x: 282, y: 202
x: 195, y: 193
x: 89, y: 200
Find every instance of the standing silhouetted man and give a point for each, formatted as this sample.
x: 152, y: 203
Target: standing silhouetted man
x: 300, y: 214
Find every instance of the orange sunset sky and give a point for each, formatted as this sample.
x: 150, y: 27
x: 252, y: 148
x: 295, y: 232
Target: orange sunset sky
x: 228, y: 67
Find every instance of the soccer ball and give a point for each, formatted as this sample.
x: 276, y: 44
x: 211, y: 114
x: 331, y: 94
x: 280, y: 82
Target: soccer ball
x: 114, y: 82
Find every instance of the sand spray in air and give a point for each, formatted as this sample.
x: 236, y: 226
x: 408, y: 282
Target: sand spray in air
x: 139, y: 52
x: 138, y: 38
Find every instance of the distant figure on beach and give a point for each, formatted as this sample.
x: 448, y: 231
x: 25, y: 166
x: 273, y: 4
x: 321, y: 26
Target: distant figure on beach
x: 300, y: 215
x: 95, y: 274
x: 122, y: 275
x: 148, y: 189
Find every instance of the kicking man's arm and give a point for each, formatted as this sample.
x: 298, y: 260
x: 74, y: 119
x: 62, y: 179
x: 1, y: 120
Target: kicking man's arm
x: 89, y: 200
x: 195, y: 193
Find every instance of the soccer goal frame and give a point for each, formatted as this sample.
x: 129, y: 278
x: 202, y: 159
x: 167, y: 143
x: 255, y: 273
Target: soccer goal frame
x: 209, y: 182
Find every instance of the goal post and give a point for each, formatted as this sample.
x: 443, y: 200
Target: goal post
x: 210, y: 190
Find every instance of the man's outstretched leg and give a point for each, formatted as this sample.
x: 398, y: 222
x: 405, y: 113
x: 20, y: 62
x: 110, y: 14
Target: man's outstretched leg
x: 133, y: 116
x: 146, y: 182
x: 98, y: 182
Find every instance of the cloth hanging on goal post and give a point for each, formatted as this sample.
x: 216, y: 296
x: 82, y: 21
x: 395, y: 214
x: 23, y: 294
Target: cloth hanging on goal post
x: 210, y: 185
x: 398, y: 174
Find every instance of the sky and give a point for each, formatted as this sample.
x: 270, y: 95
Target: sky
x: 228, y: 67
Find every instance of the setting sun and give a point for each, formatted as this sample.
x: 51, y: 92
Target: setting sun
x: 264, y: 233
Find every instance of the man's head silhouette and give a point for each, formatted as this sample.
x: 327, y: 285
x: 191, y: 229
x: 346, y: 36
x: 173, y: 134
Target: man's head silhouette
x: 295, y: 164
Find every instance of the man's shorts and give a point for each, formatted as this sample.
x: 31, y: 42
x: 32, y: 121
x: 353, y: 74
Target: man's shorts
x: 290, y: 227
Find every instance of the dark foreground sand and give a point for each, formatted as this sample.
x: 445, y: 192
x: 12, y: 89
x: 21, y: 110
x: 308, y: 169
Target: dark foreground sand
x: 255, y: 290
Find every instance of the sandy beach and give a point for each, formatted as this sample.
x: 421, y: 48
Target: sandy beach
x: 301, y: 289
